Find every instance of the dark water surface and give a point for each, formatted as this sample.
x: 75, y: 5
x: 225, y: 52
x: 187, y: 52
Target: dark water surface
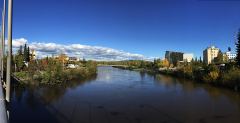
x: 122, y: 96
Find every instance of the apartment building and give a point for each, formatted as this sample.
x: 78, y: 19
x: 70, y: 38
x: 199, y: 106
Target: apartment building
x: 209, y: 54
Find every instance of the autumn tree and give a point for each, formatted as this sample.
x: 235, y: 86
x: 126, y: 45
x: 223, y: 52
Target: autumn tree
x: 165, y: 63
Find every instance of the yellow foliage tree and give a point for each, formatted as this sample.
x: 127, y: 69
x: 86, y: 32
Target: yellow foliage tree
x: 63, y: 58
x: 164, y: 63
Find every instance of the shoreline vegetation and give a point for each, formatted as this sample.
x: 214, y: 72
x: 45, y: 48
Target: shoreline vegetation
x: 55, y: 73
x: 227, y: 76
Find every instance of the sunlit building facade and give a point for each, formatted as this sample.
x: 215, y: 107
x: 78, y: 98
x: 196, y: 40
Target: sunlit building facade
x: 209, y: 54
x: 187, y: 57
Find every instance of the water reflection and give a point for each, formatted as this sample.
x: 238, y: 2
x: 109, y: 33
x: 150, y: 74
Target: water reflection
x: 116, y: 95
x: 48, y: 94
x: 190, y: 86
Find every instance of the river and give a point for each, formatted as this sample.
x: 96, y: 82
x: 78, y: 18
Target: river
x: 123, y: 96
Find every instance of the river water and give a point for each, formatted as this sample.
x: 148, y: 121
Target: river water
x: 123, y: 96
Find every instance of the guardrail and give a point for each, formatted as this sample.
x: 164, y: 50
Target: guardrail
x: 3, y: 111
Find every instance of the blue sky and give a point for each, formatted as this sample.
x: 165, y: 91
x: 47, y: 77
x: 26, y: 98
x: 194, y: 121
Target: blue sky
x: 147, y: 27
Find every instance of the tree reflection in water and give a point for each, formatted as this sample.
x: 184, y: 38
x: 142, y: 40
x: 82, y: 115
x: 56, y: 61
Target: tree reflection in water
x: 46, y: 94
x: 189, y: 86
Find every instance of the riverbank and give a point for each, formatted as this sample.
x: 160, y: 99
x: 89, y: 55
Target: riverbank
x: 134, y: 69
x: 45, y: 78
x: 56, y: 74
x: 211, y: 75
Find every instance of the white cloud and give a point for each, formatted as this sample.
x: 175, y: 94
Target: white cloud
x: 80, y: 51
x: 18, y: 42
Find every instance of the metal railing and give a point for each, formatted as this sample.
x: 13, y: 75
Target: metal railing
x: 5, y: 97
x: 3, y: 110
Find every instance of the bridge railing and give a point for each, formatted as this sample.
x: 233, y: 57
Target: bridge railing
x: 3, y: 111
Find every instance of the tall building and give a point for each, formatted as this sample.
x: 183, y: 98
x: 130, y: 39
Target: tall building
x: 209, y: 54
x: 174, y: 57
x: 187, y: 57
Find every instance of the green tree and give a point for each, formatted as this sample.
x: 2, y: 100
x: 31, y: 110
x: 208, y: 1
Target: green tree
x: 25, y: 53
x: 219, y: 58
x: 238, y: 49
x: 19, y: 60
x: 229, y: 49
x: 196, y: 60
x: 20, y: 50
x: 142, y: 64
x: 200, y: 59
x: 28, y: 54
x: 84, y: 61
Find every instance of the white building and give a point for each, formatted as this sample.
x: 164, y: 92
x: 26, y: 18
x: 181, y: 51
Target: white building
x: 231, y: 56
x: 73, y: 59
x: 187, y: 57
x: 209, y: 54
x: 72, y: 66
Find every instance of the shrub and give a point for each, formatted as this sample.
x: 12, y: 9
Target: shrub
x: 212, y: 75
x: 21, y: 75
x: 231, y: 78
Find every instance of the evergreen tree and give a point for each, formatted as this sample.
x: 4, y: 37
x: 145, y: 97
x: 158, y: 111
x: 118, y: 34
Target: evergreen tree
x: 229, y: 49
x: 20, y: 50
x: 193, y: 60
x: 196, y: 60
x: 25, y: 53
x: 200, y: 59
x: 28, y: 54
x: 84, y: 61
x: 238, y: 49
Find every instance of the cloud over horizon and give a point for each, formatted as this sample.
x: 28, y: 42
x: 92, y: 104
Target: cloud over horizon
x: 81, y: 51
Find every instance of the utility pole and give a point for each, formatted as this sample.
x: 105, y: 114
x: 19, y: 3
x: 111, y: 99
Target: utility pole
x: 9, y: 56
x: 3, y: 39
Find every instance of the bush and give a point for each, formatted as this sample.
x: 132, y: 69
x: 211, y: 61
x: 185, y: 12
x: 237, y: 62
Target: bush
x: 211, y: 76
x: 21, y: 75
x: 212, y: 73
x: 231, y: 78
x: 185, y: 71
